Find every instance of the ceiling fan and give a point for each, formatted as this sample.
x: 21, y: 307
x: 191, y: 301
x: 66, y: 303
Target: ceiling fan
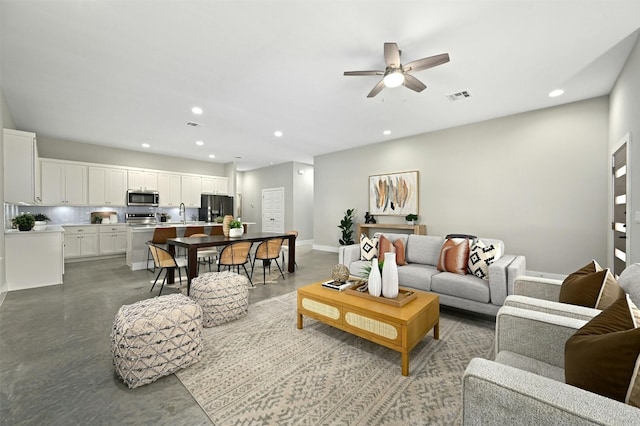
x: 397, y: 74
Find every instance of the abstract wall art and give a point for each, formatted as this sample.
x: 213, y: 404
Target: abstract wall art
x: 393, y: 194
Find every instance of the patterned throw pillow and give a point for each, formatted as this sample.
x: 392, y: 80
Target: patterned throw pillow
x: 480, y: 257
x: 368, y: 247
x: 602, y: 356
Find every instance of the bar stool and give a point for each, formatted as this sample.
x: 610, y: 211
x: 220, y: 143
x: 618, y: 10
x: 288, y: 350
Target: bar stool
x: 160, y: 237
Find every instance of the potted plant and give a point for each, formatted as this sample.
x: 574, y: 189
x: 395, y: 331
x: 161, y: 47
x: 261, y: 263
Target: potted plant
x: 235, y: 229
x: 41, y: 221
x: 345, y: 225
x: 411, y: 219
x: 24, y: 221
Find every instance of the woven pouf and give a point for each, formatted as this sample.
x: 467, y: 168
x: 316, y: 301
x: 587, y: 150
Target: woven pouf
x: 156, y: 337
x: 224, y: 296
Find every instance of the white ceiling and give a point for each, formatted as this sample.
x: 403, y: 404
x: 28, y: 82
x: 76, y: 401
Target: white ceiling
x: 123, y: 73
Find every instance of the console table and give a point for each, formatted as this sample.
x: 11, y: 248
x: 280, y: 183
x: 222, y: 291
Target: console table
x: 363, y: 228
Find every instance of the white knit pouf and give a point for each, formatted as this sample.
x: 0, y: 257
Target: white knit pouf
x: 224, y: 296
x: 156, y: 337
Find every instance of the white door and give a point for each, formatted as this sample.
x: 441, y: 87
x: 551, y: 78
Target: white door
x: 273, y: 210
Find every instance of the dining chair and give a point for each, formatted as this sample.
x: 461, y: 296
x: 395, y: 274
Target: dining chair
x: 285, y: 249
x: 267, y: 251
x: 206, y: 254
x: 165, y: 261
x: 236, y: 255
x: 160, y: 237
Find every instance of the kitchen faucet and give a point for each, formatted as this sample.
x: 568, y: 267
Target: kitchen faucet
x: 183, y: 213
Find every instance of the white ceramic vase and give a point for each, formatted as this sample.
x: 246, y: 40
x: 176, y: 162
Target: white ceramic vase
x: 375, y: 279
x: 390, y: 276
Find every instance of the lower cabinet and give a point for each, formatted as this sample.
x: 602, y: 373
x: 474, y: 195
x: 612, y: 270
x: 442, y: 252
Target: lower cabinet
x: 80, y: 241
x: 113, y: 239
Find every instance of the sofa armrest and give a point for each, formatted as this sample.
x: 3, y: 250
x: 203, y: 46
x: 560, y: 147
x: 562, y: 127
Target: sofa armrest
x: 348, y: 254
x: 554, y: 308
x: 498, y: 279
x: 537, y: 287
x: 515, y: 269
x: 496, y: 394
x: 515, y: 328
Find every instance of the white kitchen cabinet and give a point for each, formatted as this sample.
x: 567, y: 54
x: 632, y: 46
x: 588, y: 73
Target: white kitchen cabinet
x: 63, y: 183
x: 169, y: 190
x: 113, y: 239
x: 215, y: 185
x: 191, y: 191
x: 107, y: 186
x: 142, y: 180
x: 34, y: 258
x: 21, y: 167
x: 80, y: 241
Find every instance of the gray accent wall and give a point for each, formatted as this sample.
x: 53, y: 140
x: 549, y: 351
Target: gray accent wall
x: 536, y: 180
x: 624, y: 117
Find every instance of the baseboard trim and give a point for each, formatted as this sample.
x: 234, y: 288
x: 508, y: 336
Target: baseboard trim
x: 325, y: 248
x: 545, y: 275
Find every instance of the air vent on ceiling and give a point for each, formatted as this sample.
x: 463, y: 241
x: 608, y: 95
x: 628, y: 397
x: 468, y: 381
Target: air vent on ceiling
x: 192, y: 124
x: 459, y: 95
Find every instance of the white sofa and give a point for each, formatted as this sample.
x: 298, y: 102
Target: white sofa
x: 460, y: 291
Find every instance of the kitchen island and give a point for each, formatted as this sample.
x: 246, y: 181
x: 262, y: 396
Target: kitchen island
x: 34, y: 258
x: 138, y: 235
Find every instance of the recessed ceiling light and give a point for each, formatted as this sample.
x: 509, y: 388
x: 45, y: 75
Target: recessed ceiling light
x: 146, y: 145
x: 386, y: 132
x: 556, y: 93
x: 199, y: 143
x: 196, y: 110
x: 212, y: 156
x: 278, y: 133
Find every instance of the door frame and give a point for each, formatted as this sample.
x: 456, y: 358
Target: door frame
x: 626, y: 139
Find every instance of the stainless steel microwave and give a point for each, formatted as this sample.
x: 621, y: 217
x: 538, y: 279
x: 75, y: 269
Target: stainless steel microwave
x: 143, y: 198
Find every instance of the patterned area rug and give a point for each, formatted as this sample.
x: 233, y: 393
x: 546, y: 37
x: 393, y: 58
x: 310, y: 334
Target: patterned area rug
x: 262, y: 370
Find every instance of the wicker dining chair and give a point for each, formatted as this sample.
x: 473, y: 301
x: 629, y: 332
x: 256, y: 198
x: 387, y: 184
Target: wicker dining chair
x: 160, y: 237
x: 267, y: 251
x: 206, y: 254
x: 165, y: 261
x: 236, y: 255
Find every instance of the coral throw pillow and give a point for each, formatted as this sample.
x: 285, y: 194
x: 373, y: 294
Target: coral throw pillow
x: 454, y: 257
x: 400, y: 252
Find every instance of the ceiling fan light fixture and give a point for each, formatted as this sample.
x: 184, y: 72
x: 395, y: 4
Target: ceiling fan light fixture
x: 393, y: 78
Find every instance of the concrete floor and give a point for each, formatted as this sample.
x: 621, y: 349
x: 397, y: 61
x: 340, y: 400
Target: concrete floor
x: 55, y: 361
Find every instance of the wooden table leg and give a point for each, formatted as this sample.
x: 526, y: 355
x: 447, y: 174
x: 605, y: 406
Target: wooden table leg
x: 299, y: 321
x: 192, y: 264
x: 170, y: 272
x: 292, y: 254
x: 405, y: 363
x: 436, y: 331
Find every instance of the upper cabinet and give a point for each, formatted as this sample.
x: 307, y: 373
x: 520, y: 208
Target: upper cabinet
x: 215, y: 185
x: 107, y: 186
x: 21, y: 168
x: 63, y: 183
x: 191, y: 190
x: 169, y: 190
x: 142, y: 180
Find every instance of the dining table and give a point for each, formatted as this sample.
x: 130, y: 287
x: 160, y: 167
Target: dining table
x: 192, y: 244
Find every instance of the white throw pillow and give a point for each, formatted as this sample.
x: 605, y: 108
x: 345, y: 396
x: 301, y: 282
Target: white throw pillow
x: 368, y: 247
x: 480, y: 257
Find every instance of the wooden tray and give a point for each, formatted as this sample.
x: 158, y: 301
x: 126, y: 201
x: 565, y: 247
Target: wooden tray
x: 404, y: 296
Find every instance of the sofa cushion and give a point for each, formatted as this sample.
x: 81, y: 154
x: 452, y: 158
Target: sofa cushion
x: 464, y: 286
x: 480, y: 257
x: 602, y: 356
x: 423, y: 249
x: 590, y: 286
x: 454, y: 256
x: 368, y: 247
x: 416, y: 275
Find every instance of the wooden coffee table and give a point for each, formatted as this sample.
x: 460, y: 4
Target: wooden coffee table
x: 397, y: 328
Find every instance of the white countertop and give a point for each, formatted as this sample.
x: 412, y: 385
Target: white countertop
x: 49, y: 228
x: 178, y: 225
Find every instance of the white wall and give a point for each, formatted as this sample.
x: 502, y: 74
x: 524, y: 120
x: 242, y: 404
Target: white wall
x: 624, y: 117
x: 6, y: 120
x: 536, y: 180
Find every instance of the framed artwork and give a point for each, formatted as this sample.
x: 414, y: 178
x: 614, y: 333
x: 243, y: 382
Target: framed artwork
x: 393, y: 194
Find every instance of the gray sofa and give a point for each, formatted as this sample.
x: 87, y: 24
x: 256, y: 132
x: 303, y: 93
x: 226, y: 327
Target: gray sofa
x: 460, y: 291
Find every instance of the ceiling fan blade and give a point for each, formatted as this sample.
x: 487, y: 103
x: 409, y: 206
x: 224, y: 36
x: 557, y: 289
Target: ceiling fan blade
x: 430, y: 62
x: 376, y: 89
x: 364, y: 73
x: 413, y: 83
x: 392, y: 55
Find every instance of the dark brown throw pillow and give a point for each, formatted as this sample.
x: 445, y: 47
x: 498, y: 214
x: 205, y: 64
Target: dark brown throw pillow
x: 454, y: 257
x: 601, y: 357
x: 590, y: 286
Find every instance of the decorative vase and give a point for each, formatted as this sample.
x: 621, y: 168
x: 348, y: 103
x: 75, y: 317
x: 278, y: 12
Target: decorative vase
x: 375, y: 279
x: 235, y: 232
x: 225, y: 225
x: 390, y: 276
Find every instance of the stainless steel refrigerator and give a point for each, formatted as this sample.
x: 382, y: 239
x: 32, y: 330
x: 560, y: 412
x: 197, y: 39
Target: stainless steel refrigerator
x: 212, y: 206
